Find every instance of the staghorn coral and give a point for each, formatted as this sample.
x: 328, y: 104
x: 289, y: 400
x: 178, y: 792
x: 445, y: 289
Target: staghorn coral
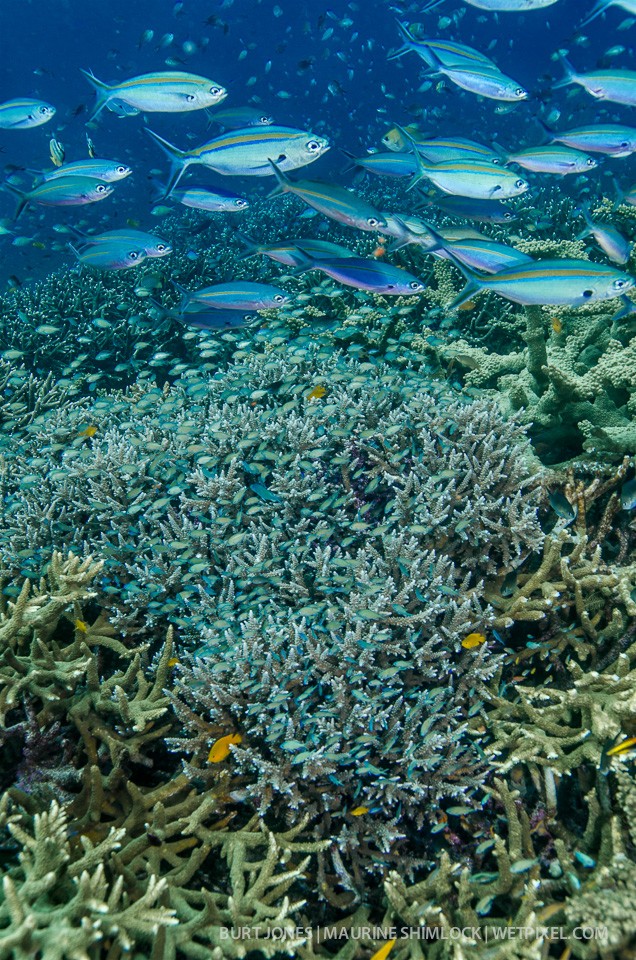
x: 58, y: 904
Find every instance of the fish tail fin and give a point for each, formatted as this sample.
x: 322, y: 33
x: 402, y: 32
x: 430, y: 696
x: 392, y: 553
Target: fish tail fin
x: 179, y: 160
x: 251, y: 248
x: 351, y: 157
x: 420, y: 170
x: 186, y: 299
x: 626, y: 310
x: 77, y: 233
x: 303, y: 261
x: 549, y: 132
x: 430, y: 5
x: 570, y: 73
x: 283, y: 182
x: 407, y: 45
x: 619, y: 194
x: 596, y: 11
x: 102, y: 91
x: 467, y: 294
x: 159, y: 190
x: 23, y: 200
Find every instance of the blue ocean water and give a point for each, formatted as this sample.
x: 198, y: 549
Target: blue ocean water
x: 322, y: 68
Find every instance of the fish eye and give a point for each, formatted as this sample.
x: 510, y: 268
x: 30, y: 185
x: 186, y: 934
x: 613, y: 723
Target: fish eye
x: 414, y: 284
x: 520, y: 92
x: 263, y: 119
x: 588, y: 293
x: 591, y: 162
x: 121, y: 168
x: 618, y: 284
x: 44, y: 109
x: 216, y: 91
x: 100, y: 188
x: 507, y: 215
x: 520, y: 183
x: 133, y: 255
x: 279, y: 298
x: 373, y: 222
x: 313, y: 145
x: 240, y: 203
x: 161, y: 247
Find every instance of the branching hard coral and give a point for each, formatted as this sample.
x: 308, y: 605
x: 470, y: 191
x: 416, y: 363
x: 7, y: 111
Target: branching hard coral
x: 58, y: 904
x: 228, y: 486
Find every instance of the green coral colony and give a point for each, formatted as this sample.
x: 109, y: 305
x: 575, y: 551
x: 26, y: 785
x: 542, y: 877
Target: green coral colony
x: 318, y: 630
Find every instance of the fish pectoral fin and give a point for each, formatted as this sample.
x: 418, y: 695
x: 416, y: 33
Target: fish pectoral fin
x: 495, y: 191
x: 467, y: 293
x: 121, y: 108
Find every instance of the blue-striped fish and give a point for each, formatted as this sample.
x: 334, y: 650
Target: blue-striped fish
x: 609, y: 239
x: 23, y: 113
x: 168, y: 91
x: 486, y: 256
x: 287, y: 252
x: 476, y: 179
x: 447, y: 51
x: 483, y: 79
x: 613, y: 139
x: 151, y: 245
x: 571, y: 283
x: 246, y: 153
x: 484, y: 211
x: 109, y: 255
x: 437, y: 149
x: 553, y: 159
x: 618, y: 86
x: 385, y: 164
x: 363, y: 274
x: 237, y: 295
x: 237, y: 118
x: 108, y: 171
x: 498, y: 6
x: 211, y: 199
x: 333, y: 201
x: 65, y: 192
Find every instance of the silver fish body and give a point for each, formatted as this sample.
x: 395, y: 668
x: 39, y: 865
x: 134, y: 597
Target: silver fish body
x: 331, y: 200
x: 24, y: 113
x: 247, y: 152
x: 553, y: 159
x: 168, y: 91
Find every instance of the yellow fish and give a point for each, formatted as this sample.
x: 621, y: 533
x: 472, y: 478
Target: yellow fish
x: 81, y: 626
x: 384, y: 951
x: 316, y: 393
x: 557, y: 326
x: 622, y: 747
x: 220, y: 750
x: 359, y: 811
x: 173, y: 661
x: 89, y: 432
x: 473, y: 640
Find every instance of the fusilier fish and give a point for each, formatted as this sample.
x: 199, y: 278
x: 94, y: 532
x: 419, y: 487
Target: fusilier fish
x: 618, y: 86
x: 552, y: 159
x: 246, y: 153
x: 446, y: 51
x: 331, y: 200
x: 212, y: 200
x: 109, y: 255
x: 476, y: 179
x: 237, y: 295
x: 108, y: 171
x: 483, y: 79
x: 151, y: 245
x: 364, y: 274
x: 64, y: 192
x: 287, y: 252
x: 613, y: 139
x: 609, y: 239
x: 236, y: 118
x: 571, y: 283
x: 498, y: 6
x: 168, y: 91
x: 23, y: 113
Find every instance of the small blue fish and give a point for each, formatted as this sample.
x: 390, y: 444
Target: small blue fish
x: 22, y: 114
x: 628, y: 494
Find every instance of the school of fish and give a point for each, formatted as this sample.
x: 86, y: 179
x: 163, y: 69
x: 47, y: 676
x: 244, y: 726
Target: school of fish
x: 443, y: 175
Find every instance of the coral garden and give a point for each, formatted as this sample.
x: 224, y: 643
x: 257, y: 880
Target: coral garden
x: 321, y: 630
